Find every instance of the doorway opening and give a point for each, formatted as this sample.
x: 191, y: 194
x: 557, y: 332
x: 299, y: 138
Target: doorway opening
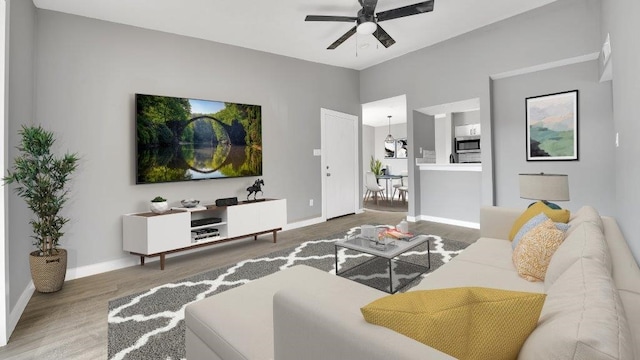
x: 385, y: 140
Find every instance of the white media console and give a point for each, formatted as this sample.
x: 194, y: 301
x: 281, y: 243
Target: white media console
x: 149, y: 234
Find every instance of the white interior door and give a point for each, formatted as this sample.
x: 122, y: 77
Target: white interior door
x: 339, y: 163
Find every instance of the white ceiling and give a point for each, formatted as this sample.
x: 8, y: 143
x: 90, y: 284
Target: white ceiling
x: 278, y: 26
x: 376, y: 113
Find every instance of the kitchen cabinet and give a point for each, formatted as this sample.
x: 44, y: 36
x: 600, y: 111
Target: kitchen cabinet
x: 467, y: 130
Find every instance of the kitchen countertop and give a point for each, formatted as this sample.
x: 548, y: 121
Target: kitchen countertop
x: 449, y: 167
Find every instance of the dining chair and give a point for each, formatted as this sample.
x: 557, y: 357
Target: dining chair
x: 373, y: 189
x: 403, y: 191
x: 396, y: 187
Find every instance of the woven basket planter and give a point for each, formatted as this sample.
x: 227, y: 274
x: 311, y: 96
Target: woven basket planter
x: 48, y: 272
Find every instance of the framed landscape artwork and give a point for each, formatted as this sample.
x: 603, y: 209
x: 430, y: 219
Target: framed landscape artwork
x: 552, y: 126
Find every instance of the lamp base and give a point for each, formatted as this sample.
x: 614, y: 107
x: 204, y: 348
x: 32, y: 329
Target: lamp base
x: 549, y: 204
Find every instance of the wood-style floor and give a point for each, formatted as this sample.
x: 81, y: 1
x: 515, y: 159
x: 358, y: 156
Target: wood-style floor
x: 72, y: 323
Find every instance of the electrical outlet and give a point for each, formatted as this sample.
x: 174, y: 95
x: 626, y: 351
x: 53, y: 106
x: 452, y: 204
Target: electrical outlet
x: 310, y: 202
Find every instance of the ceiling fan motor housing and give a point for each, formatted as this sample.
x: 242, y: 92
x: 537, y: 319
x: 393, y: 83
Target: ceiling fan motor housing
x: 364, y: 18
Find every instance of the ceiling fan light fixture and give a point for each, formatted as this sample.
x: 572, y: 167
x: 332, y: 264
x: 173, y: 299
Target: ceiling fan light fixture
x: 366, y: 28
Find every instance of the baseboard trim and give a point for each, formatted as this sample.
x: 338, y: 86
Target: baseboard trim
x: 467, y: 224
x: 16, y: 313
x: 94, y: 269
x: 303, y: 223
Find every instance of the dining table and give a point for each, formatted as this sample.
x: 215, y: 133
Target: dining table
x: 389, y: 179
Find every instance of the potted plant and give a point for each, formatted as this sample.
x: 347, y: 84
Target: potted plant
x: 159, y: 205
x: 376, y: 166
x: 41, y: 180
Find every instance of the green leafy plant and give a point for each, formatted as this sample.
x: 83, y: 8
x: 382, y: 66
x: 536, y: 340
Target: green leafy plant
x: 158, y: 199
x: 41, y: 180
x: 376, y: 166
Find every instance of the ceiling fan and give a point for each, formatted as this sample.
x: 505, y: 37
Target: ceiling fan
x: 367, y: 21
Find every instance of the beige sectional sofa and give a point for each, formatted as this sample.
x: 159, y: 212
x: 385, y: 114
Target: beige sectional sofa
x: 592, y: 308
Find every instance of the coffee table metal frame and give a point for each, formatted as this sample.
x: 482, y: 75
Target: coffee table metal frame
x: 394, y: 250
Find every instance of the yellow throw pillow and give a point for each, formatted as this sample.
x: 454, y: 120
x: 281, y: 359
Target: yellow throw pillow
x: 466, y: 323
x: 534, y: 251
x: 561, y: 216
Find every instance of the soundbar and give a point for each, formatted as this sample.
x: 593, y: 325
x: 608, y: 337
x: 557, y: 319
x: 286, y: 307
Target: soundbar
x: 227, y: 201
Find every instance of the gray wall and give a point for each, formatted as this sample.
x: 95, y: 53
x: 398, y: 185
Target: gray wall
x: 88, y: 72
x: 620, y: 19
x: 456, y: 196
x: 20, y: 110
x: 368, y: 147
x: 424, y: 132
x: 459, y: 68
x: 592, y: 178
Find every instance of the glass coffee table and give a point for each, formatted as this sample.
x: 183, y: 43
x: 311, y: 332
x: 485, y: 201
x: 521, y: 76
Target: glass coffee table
x: 387, y: 268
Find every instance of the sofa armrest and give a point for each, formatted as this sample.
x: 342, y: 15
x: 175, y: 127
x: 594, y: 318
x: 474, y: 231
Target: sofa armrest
x: 317, y: 325
x: 496, y: 222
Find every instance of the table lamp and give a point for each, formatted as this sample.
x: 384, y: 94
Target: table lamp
x: 545, y: 187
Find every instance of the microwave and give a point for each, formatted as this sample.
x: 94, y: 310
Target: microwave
x: 467, y: 145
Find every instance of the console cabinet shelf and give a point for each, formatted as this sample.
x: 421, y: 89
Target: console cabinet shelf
x: 149, y: 234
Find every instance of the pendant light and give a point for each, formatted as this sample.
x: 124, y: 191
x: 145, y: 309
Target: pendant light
x: 389, y: 137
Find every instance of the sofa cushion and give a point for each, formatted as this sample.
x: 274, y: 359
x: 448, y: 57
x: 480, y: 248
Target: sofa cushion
x: 582, y: 318
x: 486, y: 251
x: 533, y: 222
x: 586, y: 241
x: 585, y: 214
x: 467, y: 323
x: 561, y: 215
x: 238, y: 323
x: 464, y: 273
x: 532, y: 255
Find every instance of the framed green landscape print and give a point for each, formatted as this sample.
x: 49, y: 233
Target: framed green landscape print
x: 552, y: 126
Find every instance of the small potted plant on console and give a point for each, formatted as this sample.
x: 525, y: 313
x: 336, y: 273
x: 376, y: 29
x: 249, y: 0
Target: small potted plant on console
x: 159, y: 205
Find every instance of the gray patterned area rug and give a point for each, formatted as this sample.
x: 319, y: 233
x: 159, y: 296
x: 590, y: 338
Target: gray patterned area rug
x: 150, y: 325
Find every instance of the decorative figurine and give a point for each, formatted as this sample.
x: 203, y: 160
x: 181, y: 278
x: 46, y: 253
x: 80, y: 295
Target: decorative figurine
x: 253, y: 189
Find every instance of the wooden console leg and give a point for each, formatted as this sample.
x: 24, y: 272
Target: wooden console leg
x: 141, y: 260
x: 275, y: 232
x: 161, y: 261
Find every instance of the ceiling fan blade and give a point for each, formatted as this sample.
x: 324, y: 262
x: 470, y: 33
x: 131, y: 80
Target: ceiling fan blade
x: 383, y: 37
x: 342, y: 39
x: 409, y: 10
x: 369, y: 6
x: 330, y: 18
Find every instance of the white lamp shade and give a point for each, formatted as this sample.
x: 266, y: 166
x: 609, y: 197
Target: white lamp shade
x: 543, y: 186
